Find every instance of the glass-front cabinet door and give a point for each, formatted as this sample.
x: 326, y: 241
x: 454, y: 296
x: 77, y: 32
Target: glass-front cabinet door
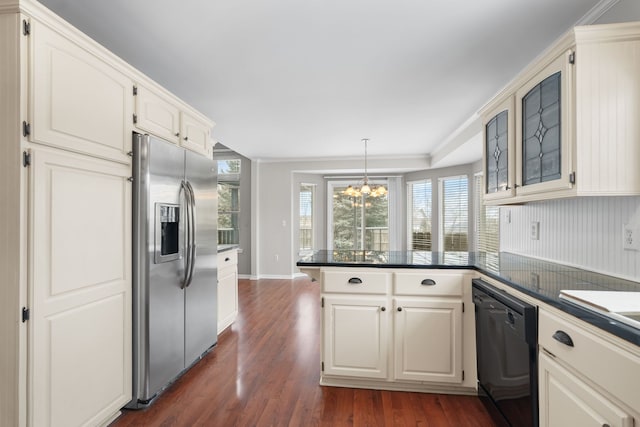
x: 499, y: 151
x: 544, y: 130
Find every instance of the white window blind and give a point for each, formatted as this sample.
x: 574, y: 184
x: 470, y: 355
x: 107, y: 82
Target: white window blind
x: 454, y: 223
x: 307, y: 195
x: 420, y: 210
x: 487, y: 221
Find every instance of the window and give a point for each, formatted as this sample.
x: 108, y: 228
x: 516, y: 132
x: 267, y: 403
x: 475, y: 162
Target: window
x: 229, y: 167
x: 229, y: 201
x: 358, y: 223
x: 420, y: 215
x: 487, y: 221
x: 454, y: 213
x: 307, y: 199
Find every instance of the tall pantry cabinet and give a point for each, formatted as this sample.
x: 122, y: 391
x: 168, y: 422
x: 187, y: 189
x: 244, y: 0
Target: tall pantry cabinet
x: 67, y: 113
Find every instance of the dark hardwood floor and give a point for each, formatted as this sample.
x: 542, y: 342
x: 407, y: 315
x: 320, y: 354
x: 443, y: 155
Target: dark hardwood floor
x: 265, y: 372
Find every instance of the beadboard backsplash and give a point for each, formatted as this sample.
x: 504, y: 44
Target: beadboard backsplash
x: 585, y: 232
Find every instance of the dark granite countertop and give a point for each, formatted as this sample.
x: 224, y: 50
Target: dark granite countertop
x: 539, y: 279
x: 222, y: 248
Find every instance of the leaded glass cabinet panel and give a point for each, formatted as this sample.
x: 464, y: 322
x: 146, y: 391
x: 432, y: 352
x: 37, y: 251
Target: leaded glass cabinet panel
x: 497, y: 153
x: 544, y: 130
x: 499, y: 150
x: 541, y: 152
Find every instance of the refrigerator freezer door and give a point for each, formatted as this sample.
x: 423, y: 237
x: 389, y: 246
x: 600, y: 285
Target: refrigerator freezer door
x: 164, y: 298
x: 201, y: 295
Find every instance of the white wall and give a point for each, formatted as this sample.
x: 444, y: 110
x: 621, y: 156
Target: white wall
x: 584, y: 232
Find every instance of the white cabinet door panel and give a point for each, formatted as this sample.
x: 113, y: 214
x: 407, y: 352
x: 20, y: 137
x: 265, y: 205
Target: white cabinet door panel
x: 157, y: 115
x: 355, y: 336
x: 79, y: 102
x: 80, y: 290
x: 428, y: 340
x: 567, y: 401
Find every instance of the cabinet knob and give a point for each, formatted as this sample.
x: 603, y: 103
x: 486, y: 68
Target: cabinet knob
x: 227, y: 259
x: 383, y: 309
x: 355, y: 280
x: 399, y: 308
x: 428, y: 282
x: 178, y: 134
x: 563, y: 337
x: 186, y: 138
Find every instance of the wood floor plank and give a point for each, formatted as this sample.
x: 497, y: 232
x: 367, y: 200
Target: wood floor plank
x: 265, y: 371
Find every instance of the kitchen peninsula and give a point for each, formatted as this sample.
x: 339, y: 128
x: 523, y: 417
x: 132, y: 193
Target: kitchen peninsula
x: 405, y: 321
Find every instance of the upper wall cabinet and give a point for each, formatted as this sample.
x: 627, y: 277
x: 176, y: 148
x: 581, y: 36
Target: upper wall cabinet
x: 168, y: 119
x: 80, y: 102
x: 156, y: 115
x: 499, y: 151
x: 575, y: 111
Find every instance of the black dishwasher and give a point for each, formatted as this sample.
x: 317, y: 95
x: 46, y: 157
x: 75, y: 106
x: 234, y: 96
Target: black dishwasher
x: 506, y: 342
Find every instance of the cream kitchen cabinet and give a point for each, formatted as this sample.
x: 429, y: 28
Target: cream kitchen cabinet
x: 428, y: 327
x: 227, y: 288
x: 355, y: 336
x: 195, y: 134
x: 80, y: 289
x: 397, y: 329
x: 156, y: 114
x: 585, y: 378
x: 499, y: 151
x: 79, y: 101
x: 575, y: 120
x: 355, y: 323
x: 165, y: 117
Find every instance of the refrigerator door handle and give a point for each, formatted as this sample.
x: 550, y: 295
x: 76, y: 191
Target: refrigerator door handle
x: 192, y: 239
x: 187, y: 243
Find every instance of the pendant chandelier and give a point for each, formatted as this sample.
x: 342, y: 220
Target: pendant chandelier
x: 365, y: 189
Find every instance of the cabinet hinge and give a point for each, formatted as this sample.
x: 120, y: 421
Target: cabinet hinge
x: 26, y: 159
x: 26, y: 27
x: 25, y: 314
x: 135, y: 90
x: 572, y: 58
x: 322, y: 302
x: 322, y: 366
x: 572, y: 177
x: 135, y: 119
x: 26, y: 129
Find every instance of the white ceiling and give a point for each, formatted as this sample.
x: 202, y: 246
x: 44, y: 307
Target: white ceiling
x: 310, y: 78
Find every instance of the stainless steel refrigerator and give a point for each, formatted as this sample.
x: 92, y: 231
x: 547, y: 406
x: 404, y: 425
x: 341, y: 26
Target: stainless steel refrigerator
x: 174, y: 263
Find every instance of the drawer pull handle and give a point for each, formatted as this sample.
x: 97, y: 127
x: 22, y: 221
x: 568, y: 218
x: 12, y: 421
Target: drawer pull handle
x: 428, y: 282
x: 563, y: 337
x: 355, y: 280
x: 227, y: 259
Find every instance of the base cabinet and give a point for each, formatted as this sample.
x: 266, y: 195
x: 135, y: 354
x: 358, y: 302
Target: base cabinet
x: 227, y: 288
x: 565, y: 400
x: 396, y: 329
x: 585, y: 378
x: 428, y: 340
x: 355, y: 336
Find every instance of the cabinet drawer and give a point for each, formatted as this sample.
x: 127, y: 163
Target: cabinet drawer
x: 613, y: 368
x: 227, y: 259
x: 355, y: 282
x: 428, y: 283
